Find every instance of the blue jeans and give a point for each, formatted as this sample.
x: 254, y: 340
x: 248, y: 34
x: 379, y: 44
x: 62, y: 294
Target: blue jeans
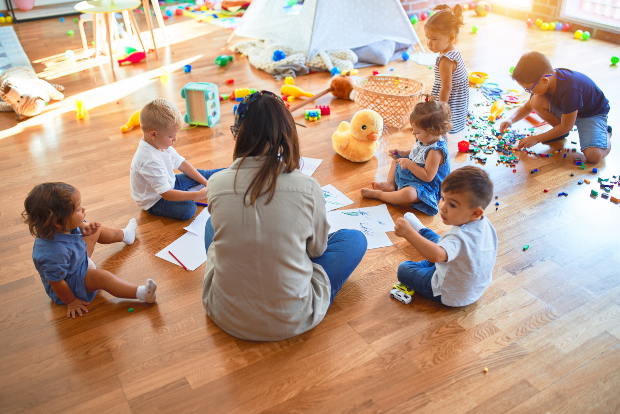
x: 592, y: 130
x: 418, y: 275
x: 181, y: 210
x: 345, y: 250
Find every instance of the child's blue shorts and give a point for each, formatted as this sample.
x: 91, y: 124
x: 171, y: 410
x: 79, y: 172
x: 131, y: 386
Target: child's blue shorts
x: 592, y: 131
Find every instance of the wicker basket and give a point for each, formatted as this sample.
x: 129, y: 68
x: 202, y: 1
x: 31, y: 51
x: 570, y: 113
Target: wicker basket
x: 392, y: 97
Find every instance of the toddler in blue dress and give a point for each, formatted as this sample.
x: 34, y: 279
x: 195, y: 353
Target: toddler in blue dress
x: 63, y: 244
x: 415, y: 176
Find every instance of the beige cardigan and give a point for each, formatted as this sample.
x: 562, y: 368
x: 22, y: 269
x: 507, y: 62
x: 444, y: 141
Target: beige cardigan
x: 259, y: 283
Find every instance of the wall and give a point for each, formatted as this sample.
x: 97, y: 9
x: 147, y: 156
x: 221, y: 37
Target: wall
x: 421, y: 6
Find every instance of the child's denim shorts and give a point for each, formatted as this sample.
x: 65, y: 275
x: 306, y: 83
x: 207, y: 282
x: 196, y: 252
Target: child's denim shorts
x: 592, y: 131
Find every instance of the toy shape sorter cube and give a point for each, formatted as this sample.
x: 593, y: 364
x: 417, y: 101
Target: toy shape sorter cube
x: 202, y: 101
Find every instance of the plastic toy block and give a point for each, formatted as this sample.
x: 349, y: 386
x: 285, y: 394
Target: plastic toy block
x: 375, y: 72
x: 563, y: 194
x: 242, y: 92
x: 579, y: 182
x: 313, y: 114
x: 600, y: 179
x: 577, y: 162
x: 235, y: 109
x: 289, y: 80
x: 605, y: 195
x: 545, y: 191
x: 202, y: 103
x: 229, y: 81
x: 585, y: 180
x: 614, y: 200
x: 187, y: 68
x: 583, y: 166
x: 497, y: 203
x: 594, y: 193
x: 130, y: 310
x: 325, y: 109
x: 572, y: 175
x: 594, y: 170
x: 527, y: 246
x: 224, y: 97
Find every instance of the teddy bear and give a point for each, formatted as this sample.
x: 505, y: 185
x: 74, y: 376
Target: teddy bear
x: 359, y: 140
x: 24, y: 93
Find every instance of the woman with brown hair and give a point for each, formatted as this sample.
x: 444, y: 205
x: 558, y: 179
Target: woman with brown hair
x: 272, y: 269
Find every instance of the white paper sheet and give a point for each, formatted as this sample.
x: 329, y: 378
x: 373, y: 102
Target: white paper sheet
x: 425, y: 59
x: 189, y: 249
x: 198, y: 225
x: 374, y: 222
x: 309, y: 165
x: 334, y: 198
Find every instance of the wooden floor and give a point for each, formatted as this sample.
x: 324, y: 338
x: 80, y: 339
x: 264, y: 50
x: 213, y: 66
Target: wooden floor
x: 547, y: 329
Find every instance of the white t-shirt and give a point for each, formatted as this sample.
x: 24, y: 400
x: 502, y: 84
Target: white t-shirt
x: 472, y: 250
x: 152, y: 173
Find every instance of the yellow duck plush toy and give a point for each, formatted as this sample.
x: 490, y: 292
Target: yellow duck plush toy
x: 359, y: 140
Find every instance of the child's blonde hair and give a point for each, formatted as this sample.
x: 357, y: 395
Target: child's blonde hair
x: 446, y: 20
x: 159, y: 114
x: 432, y: 116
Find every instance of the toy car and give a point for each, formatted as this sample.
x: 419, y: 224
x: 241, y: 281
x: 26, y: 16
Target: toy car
x: 404, y: 288
x: 400, y: 296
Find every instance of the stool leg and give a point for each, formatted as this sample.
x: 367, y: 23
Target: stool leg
x: 83, y: 36
x: 127, y: 23
x: 160, y: 19
x: 107, y: 26
x: 96, y: 33
x: 135, y: 25
x: 149, y: 23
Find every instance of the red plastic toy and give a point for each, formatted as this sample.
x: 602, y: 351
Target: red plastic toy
x: 178, y: 12
x: 135, y: 57
x: 463, y: 146
x: 229, y: 81
x: 375, y: 72
x: 325, y: 109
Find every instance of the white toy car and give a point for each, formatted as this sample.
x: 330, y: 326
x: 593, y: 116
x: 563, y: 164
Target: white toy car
x: 400, y: 296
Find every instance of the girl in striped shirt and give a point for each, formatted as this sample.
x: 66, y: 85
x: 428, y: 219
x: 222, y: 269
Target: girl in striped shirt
x: 451, y: 79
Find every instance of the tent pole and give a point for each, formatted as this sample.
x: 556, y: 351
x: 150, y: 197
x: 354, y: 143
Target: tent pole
x: 233, y: 35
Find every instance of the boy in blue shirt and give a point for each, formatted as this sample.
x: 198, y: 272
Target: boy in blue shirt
x: 563, y: 98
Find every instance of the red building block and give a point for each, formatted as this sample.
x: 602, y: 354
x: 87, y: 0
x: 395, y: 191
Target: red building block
x: 325, y: 109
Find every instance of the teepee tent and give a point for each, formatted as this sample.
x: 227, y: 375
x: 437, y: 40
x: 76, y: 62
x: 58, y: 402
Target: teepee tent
x: 323, y: 25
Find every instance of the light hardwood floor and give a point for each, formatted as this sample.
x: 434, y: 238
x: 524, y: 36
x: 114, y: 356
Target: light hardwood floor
x: 547, y: 329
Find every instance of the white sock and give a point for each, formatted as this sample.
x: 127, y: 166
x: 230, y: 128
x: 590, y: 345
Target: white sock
x: 146, y: 293
x: 91, y: 264
x: 129, y: 232
x: 414, y: 221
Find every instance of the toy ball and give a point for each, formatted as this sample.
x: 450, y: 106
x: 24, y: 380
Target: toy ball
x: 405, y: 56
x: 168, y: 13
x: 2, y: 19
x: 178, y: 12
x: 472, y: 6
x: 70, y: 32
x: 552, y: 26
x: 69, y: 54
x: 423, y: 16
x: 529, y: 22
x: 565, y: 27
x: 615, y: 60
x: 585, y: 36
x: 474, y: 29
x: 1, y: 14
x: 335, y: 71
x: 9, y: 19
x: 578, y: 34
x: 483, y: 8
x: 75, y: 20
x: 544, y: 26
x: 512, y: 69
x: 539, y: 22
x: 62, y: 20
x: 278, y: 55
x: 465, y: 6
x: 559, y: 26
x: 414, y: 19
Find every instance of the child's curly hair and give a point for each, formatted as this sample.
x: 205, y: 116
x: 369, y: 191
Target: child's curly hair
x: 48, y: 205
x: 446, y: 20
x: 432, y: 116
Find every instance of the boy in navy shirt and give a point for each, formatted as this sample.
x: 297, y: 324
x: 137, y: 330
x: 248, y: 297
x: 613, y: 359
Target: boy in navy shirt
x: 562, y: 98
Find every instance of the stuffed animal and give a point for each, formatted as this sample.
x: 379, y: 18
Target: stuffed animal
x: 359, y: 140
x: 24, y: 93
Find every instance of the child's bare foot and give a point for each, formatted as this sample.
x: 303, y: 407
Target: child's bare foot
x: 368, y: 193
x: 383, y: 186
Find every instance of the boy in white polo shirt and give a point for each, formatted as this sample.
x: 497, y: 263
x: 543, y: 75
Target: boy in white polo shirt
x: 458, y: 266
x: 154, y: 185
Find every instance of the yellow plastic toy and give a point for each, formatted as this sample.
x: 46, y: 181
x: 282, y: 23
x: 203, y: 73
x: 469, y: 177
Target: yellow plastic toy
x: 292, y: 90
x: 359, y: 140
x: 134, y: 120
x: 289, y: 80
x: 496, y: 110
x: 242, y: 92
x: 80, y: 108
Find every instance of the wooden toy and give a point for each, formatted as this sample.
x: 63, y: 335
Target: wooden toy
x: 202, y: 101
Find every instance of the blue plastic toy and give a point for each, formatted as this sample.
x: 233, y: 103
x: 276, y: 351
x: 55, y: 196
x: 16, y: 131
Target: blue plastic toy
x: 202, y: 101
x: 278, y: 55
x: 558, y: 26
x: 405, y: 56
x: 335, y: 71
x: 187, y: 68
x: 169, y: 13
